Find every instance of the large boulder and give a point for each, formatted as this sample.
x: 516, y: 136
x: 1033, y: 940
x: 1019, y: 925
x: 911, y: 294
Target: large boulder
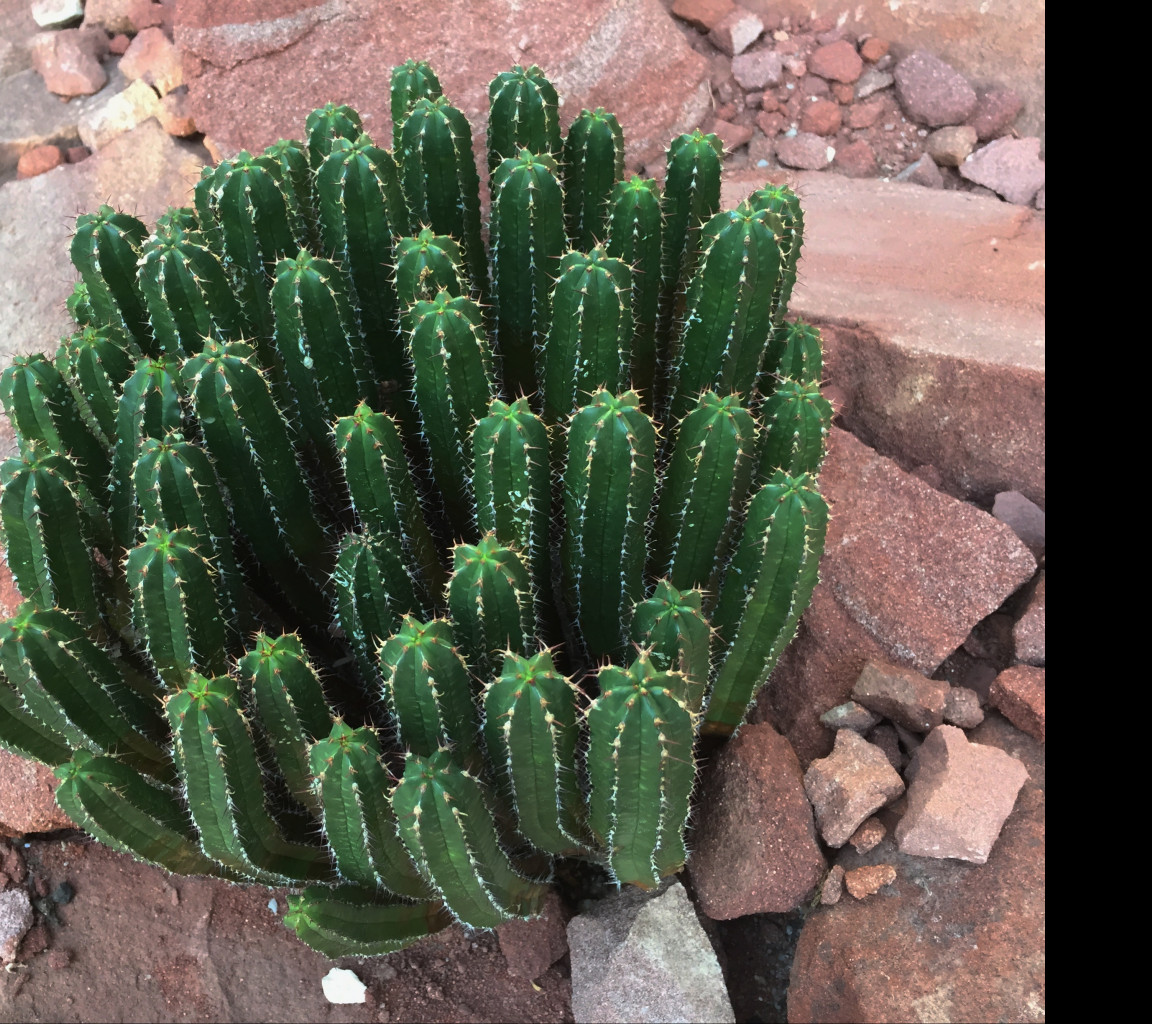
x: 257, y: 69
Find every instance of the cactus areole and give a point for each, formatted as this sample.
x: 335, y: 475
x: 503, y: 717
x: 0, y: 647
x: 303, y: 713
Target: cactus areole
x: 367, y: 558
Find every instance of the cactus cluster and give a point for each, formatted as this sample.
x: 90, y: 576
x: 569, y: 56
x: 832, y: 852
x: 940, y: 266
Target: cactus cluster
x: 370, y: 557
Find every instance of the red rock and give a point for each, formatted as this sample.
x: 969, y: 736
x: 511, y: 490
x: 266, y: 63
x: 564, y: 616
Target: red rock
x: 901, y: 695
x: 1012, y: 168
x: 531, y: 947
x: 873, y: 48
x: 867, y: 881
x: 843, y: 93
x: 27, y: 802
x: 726, y: 112
x: 123, y: 16
x: 176, y: 114
x: 868, y: 836
x: 1025, y: 517
x: 770, y: 123
x: 67, y: 63
x: 758, y: 69
x: 850, y: 716
x: 850, y: 784
x: 796, y: 65
x: 77, y: 153
x: 865, y: 115
x: 922, y: 172
x: 959, y: 794
x: 1018, y: 693
x: 837, y: 61
x: 704, y: 15
x: 804, y: 150
x: 769, y: 102
x: 255, y: 71
x: 756, y: 850
x: 856, y: 160
x: 10, y: 597
x: 1028, y: 633
x: 813, y: 87
x: 37, y: 161
x: 833, y: 887
x: 736, y: 31
x: 996, y: 111
x: 932, y: 92
x: 35, y: 942
x: 119, y: 44
x: 733, y: 135
x: 152, y: 58
x: 821, y: 118
x: 962, y: 708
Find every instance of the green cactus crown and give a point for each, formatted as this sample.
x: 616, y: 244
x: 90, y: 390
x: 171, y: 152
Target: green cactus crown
x: 370, y: 556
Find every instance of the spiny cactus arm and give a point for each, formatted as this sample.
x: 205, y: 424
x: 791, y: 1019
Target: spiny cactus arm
x: 48, y: 523
x: 25, y: 734
x: 642, y: 771
x: 527, y: 240
x: 796, y: 419
x: 384, y: 495
x: 296, y: 175
x: 523, y: 114
x: 79, y: 308
x: 223, y: 786
x: 352, y: 788
x: 428, y: 692
x: 373, y: 590
x: 608, y: 487
x: 784, y: 205
x: 351, y: 921
x: 175, y: 607
x: 531, y: 731
x: 593, y: 159
x: 589, y: 344
x: 96, y: 363
x: 176, y: 487
x: 728, y: 315
x: 327, y: 124
x: 440, y: 180
x: 454, y: 384
x: 449, y: 833
x: 671, y: 627
x: 766, y: 589
x: 411, y: 82
x: 427, y: 264
x: 126, y: 812
x: 105, y: 249
x: 635, y: 228
x: 708, y: 476
x: 691, y: 197
x: 491, y: 602
x: 801, y: 354
x: 291, y: 705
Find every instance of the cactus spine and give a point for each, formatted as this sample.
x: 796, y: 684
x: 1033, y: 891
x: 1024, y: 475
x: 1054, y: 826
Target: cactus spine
x: 593, y: 161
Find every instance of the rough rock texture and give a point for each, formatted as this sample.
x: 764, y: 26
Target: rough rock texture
x: 996, y: 110
x: 68, y: 62
x: 15, y: 920
x: 1018, y: 693
x: 143, y: 172
x: 56, y: 13
x: 758, y: 69
x: 1011, y: 168
x: 872, y: 81
x: 120, y: 114
x: 804, y: 151
x: 932, y: 307
x: 902, y: 695
x: 821, y: 118
x: 1028, y: 633
x: 959, y: 795
x: 856, y: 160
x: 846, y: 787
x: 873, y: 48
x: 833, y: 887
x: 950, y: 147
x: 966, y: 941
x: 837, y: 61
x: 868, y: 836
x: 639, y: 957
x: 736, y: 31
x: 127, y: 16
x: 924, y: 171
x: 931, y: 91
x: 153, y: 58
x: 849, y: 716
x: 755, y: 846
x: 531, y: 947
x: 867, y: 881
x: 27, y: 803
x: 704, y: 15
x: 38, y: 160
x: 256, y: 71
x: 175, y: 114
x: 732, y: 135
x: 907, y: 572
x: 1025, y: 517
x: 962, y: 708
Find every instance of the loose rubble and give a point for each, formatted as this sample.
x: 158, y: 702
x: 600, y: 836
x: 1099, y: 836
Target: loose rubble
x: 849, y: 785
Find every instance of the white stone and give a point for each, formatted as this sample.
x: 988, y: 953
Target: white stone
x: 56, y: 13
x: 341, y: 986
x: 120, y: 114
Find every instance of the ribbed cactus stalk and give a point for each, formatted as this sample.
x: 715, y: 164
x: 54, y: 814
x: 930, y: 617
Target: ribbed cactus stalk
x: 766, y: 590
x: 608, y: 487
x: 296, y: 176
x: 527, y: 240
x: 411, y: 81
x: 491, y: 602
x: 351, y: 921
x: 78, y: 306
x: 705, y: 484
x: 223, y: 787
x: 797, y: 419
x: 635, y: 228
x: 440, y: 180
x: 801, y: 357
x: 728, y: 317
x: 531, y: 733
x: 352, y: 790
x: 593, y: 160
x: 784, y: 204
x: 640, y: 735
x: 327, y: 124
x: 106, y: 250
x: 454, y: 383
x: 672, y: 628
x: 447, y: 828
x: 589, y: 345
x: 523, y: 114
x: 95, y: 363
x: 427, y: 264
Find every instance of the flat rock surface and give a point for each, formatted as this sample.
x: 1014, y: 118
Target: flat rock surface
x: 937, y: 298
x: 966, y: 941
x: 27, y: 797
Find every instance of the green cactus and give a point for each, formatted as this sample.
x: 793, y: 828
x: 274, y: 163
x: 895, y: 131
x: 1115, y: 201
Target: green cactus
x: 324, y: 483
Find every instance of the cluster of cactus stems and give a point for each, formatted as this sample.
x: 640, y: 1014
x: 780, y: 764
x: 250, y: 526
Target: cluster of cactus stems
x: 369, y: 557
